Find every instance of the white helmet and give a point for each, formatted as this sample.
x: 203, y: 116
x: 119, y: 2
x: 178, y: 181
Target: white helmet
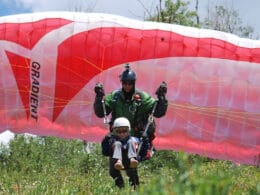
x: 121, y: 122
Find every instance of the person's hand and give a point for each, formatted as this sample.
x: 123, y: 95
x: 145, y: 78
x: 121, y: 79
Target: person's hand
x: 162, y: 90
x: 99, y: 90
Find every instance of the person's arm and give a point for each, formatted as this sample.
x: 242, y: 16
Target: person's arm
x: 100, y: 93
x: 162, y: 103
x: 161, y: 107
x: 98, y: 105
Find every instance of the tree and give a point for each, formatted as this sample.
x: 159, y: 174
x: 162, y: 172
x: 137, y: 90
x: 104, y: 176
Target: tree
x: 221, y: 18
x: 175, y: 13
x: 227, y: 20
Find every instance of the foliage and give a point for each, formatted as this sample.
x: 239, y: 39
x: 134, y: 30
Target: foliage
x: 227, y: 20
x: 176, y: 13
x: 47, y: 165
x: 221, y: 18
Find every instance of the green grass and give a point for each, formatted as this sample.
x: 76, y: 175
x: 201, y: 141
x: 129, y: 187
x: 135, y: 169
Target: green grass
x: 62, y: 167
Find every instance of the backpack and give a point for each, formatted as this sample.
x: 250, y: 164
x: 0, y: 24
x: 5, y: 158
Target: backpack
x: 106, y: 145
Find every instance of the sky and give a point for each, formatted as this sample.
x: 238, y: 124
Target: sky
x: 248, y: 10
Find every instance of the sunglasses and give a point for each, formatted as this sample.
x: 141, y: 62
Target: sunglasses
x: 120, y: 130
x: 127, y: 82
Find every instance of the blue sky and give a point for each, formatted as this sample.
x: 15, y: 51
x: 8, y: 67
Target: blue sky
x: 248, y: 10
x: 9, y: 8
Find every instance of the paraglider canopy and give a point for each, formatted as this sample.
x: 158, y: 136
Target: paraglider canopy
x: 50, y: 63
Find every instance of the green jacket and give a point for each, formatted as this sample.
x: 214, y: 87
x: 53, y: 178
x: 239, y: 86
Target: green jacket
x: 136, y: 110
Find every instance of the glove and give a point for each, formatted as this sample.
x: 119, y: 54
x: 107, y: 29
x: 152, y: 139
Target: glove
x: 99, y: 90
x: 162, y: 90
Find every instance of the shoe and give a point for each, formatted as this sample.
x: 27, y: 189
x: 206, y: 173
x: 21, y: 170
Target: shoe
x: 118, y: 165
x: 133, y: 187
x: 133, y: 163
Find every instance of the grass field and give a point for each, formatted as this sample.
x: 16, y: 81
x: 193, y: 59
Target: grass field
x: 46, y: 165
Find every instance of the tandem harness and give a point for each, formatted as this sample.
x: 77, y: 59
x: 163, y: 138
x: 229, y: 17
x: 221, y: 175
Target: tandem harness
x: 144, y: 139
x: 137, y: 102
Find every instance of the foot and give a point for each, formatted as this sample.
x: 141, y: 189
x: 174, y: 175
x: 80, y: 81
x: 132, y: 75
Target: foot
x: 133, y: 163
x: 118, y: 165
x: 133, y: 187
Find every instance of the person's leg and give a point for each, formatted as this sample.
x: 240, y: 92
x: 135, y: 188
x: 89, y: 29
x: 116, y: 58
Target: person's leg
x: 131, y: 172
x: 131, y: 144
x: 117, y: 150
x: 132, y: 156
x: 133, y: 177
x: 117, y: 154
x: 115, y: 174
